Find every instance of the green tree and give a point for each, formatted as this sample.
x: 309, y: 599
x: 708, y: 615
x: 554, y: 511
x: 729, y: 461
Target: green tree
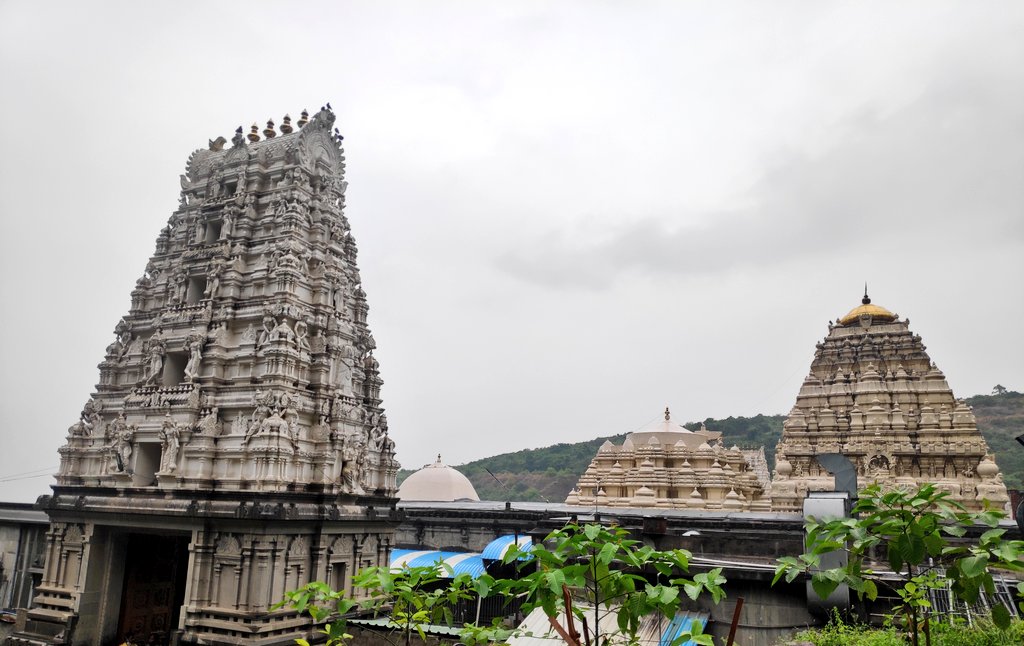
x: 999, y: 390
x: 913, y: 530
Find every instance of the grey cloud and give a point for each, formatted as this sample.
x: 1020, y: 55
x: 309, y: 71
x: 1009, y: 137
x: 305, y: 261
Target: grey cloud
x: 943, y: 173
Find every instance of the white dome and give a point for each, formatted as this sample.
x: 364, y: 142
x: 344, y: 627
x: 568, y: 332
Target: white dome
x: 437, y: 483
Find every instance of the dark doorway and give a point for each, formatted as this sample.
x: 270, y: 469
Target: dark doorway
x: 154, y: 588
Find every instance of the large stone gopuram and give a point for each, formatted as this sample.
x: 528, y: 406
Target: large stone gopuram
x: 875, y: 396
x: 668, y: 466
x: 235, y: 446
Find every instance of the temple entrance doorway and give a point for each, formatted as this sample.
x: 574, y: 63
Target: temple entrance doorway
x: 156, y: 567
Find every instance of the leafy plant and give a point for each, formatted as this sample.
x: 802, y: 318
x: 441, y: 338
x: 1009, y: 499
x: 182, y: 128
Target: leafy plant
x: 956, y: 633
x: 414, y: 597
x: 912, y: 530
x: 612, y: 573
x: 592, y: 564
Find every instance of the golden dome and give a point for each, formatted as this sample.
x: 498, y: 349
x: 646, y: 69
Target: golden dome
x: 866, y: 308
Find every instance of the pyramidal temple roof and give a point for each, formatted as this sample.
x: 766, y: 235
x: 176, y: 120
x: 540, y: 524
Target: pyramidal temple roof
x: 245, y: 361
x: 874, y: 395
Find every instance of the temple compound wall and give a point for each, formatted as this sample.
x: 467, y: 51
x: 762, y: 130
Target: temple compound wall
x: 236, y: 446
x: 874, y: 395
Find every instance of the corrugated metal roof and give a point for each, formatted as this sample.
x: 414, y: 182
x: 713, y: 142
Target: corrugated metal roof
x: 497, y: 548
x: 461, y: 562
x: 655, y: 629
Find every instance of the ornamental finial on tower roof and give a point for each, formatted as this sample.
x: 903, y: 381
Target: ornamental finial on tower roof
x: 269, y: 132
x: 668, y: 415
x: 254, y: 133
x: 303, y: 118
x: 866, y: 300
x: 286, y: 125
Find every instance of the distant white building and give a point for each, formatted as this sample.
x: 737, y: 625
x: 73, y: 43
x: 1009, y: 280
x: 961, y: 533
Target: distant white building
x: 437, y: 482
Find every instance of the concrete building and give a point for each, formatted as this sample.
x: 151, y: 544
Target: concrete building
x: 235, y: 446
x: 22, y: 542
x: 874, y: 395
x: 668, y: 466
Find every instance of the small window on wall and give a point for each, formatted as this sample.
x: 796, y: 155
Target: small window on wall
x: 212, y: 232
x: 196, y: 289
x: 174, y: 368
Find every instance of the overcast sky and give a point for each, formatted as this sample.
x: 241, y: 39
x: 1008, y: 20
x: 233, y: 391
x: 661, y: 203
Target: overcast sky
x: 569, y: 215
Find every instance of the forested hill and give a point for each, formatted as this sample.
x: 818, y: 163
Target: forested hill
x: 549, y: 473
x: 1001, y: 419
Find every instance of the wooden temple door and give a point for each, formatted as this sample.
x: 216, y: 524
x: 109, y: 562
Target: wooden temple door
x: 154, y: 588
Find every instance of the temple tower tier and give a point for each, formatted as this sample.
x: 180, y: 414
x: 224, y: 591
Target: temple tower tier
x: 236, y: 446
x: 874, y: 395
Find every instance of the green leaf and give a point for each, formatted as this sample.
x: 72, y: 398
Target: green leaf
x: 607, y: 553
x: 823, y: 586
x: 870, y: 590
x: 973, y: 566
x: 1001, y: 616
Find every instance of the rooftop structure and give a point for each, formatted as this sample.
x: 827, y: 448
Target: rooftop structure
x: 235, y: 446
x: 437, y: 482
x: 874, y: 395
x: 666, y: 465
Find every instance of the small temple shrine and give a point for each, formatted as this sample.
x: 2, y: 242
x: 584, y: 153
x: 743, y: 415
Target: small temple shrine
x: 874, y: 396
x: 235, y: 446
x: 665, y: 465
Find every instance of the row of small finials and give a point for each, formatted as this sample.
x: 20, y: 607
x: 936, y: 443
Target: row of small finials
x: 286, y: 127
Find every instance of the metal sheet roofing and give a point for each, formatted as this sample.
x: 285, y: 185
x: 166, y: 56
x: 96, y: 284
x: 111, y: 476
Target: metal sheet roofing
x: 497, y: 548
x: 460, y: 562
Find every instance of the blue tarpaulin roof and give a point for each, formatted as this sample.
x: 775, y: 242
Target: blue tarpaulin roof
x: 497, y: 548
x: 460, y: 562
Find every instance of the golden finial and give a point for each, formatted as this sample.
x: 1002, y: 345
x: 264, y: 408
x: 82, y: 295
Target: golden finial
x: 303, y: 119
x: 286, y: 125
x: 269, y: 132
x: 254, y: 134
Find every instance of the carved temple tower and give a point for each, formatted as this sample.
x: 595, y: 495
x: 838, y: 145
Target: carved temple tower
x: 667, y: 466
x: 874, y: 395
x: 235, y: 446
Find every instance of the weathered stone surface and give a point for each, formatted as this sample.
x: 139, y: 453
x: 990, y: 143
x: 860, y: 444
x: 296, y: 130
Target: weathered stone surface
x: 874, y: 395
x: 238, y: 418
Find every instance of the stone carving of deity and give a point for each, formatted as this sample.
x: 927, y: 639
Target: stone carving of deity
x: 195, y: 349
x: 122, y: 436
x: 157, y: 352
x: 301, y: 332
x: 212, y: 282
x: 227, y: 225
x: 171, y: 438
x: 353, y: 462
